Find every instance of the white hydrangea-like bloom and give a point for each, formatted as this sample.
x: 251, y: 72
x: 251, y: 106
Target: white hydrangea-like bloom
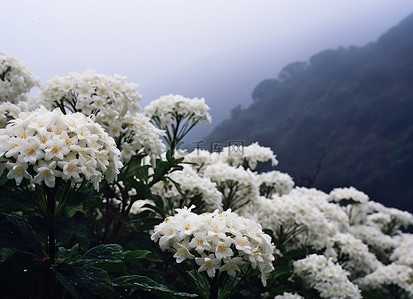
x: 193, y: 186
x: 223, y: 242
x: 348, y: 194
x: 15, y: 79
x: 386, y: 275
x: 92, y: 93
x: 43, y: 145
x: 167, y: 109
x: 248, y: 156
x: 289, y: 296
x: 328, y: 278
x: 353, y: 255
x: 237, y: 185
x: 353, y: 202
x: 274, y: 182
x: 403, y: 254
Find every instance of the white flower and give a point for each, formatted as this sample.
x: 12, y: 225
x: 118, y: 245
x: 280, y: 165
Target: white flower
x: 182, y: 253
x: 209, y: 264
x: 18, y: 171
x: 232, y: 265
x: 47, y: 173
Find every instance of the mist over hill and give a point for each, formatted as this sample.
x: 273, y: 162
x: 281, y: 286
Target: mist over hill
x: 344, y: 118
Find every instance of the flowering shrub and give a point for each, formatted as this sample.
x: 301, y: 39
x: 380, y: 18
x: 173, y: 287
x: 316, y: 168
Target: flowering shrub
x: 43, y: 145
x: 15, y: 79
x: 61, y: 236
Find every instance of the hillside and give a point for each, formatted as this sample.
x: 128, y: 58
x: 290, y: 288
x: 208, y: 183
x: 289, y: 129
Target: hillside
x: 344, y: 118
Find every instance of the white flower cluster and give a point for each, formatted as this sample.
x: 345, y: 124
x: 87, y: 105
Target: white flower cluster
x: 353, y: 255
x: 193, y: 186
x: 386, y: 275
x: 350, y: 194
x: 92, y: 93
x: 403, y: 254
x: 43, y: 145
x: 15, y: 79
x: 248, y: 156
x: 374, y: 238
x: 274, y: 182
x: 216, y: 241
x: 299, y: 209
x: 388, y: 219
x: 328, y: 278
x: 353, y: 201
x: 135, y: 136
x: 237, y: 185
x: 8, y: 111
x: 170, y: 108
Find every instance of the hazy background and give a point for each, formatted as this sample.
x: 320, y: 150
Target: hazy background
x: 219, y: 50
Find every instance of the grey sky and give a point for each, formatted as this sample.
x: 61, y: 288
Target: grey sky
x: 216, y: 49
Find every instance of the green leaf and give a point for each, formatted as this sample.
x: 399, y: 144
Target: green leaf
x: 108, y: 257
x: 84, y: 282
x: 147, y: 284
x: 132, y: 256
x: 5, y: 253
x: 18, y: 235
x: 67, y: 255
x: 70, y: 210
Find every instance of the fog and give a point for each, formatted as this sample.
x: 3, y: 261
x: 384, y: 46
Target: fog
x: 219, y: 50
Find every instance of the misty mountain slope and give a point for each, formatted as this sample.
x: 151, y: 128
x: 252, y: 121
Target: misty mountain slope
x: 345, y: 118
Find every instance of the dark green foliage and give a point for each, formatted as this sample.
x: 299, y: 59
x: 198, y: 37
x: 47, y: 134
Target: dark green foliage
x: 344, y: 119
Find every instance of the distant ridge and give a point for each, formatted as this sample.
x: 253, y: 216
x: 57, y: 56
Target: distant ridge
x: 345, y: 118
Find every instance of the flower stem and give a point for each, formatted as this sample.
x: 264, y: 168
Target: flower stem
x: 51, y: 202
x: 213, y: 294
